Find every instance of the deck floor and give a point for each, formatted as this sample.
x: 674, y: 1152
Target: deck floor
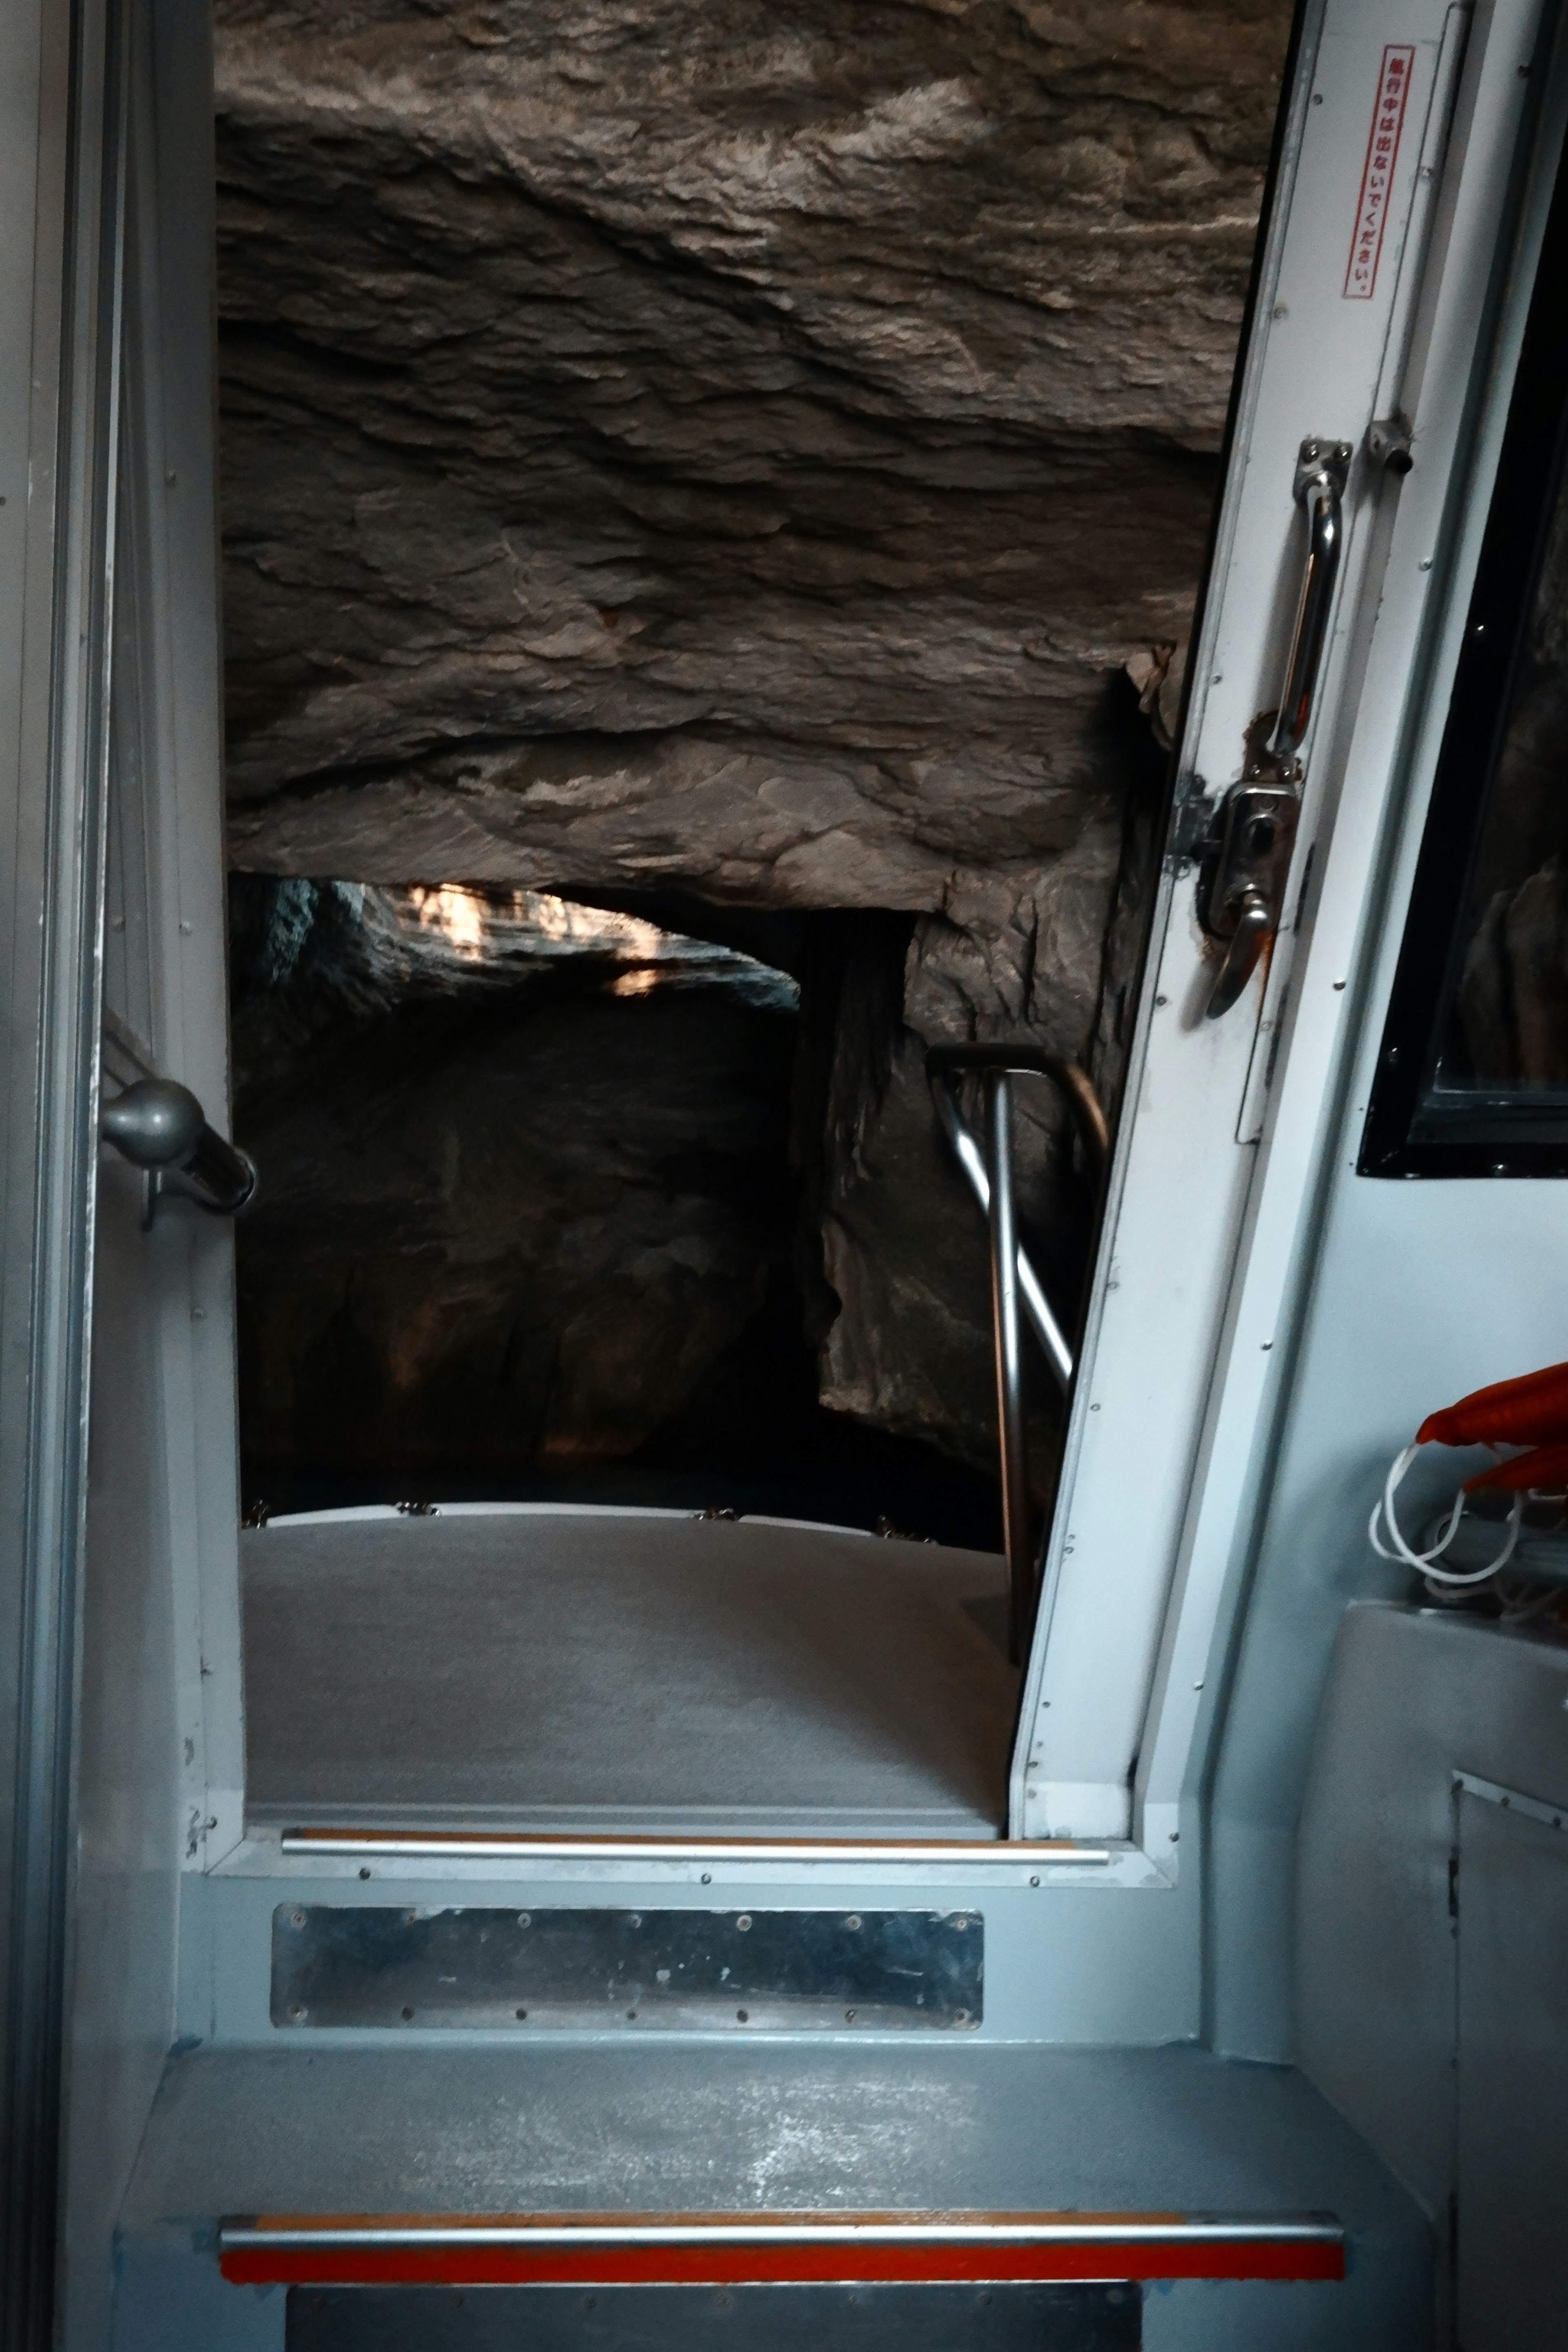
x: 638, y: 1672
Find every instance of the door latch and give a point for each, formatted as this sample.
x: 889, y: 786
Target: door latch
x: 1246, y: 888
x: 1247, y: 858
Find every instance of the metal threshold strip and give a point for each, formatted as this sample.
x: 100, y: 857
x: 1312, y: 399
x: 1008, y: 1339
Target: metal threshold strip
x: 717, y: 2250
x: 484, y: 1846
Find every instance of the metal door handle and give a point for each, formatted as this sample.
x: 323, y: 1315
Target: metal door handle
x: 161, y: 1128
x: 1249, y: 849
x: 1254, y: 923
x: 1320, y: 472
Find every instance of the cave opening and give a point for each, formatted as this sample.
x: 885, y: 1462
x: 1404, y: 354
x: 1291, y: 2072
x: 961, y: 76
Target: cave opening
x: 712, y: 507
x: 540, y: 1220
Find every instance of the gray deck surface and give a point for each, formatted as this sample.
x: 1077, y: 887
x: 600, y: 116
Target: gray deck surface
x: 492, y: 2130
x: 596, y: 1672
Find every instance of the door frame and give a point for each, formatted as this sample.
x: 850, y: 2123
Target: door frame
x: 61, y: 195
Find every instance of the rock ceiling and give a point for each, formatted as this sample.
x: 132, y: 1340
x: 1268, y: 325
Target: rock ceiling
x: 722, y: 442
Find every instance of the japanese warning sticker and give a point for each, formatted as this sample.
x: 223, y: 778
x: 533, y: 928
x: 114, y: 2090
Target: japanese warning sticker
x: 1377, y: 177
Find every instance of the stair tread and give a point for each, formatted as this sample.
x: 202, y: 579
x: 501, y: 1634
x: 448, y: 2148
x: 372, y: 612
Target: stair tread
x: 759, y: 2131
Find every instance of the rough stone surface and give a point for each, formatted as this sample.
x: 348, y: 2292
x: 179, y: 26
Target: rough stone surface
x: 662, y: 440
x: 904, y: 1246
x: 737, y: 451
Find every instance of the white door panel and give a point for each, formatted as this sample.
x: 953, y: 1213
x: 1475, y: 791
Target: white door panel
x: 1185, y: 1313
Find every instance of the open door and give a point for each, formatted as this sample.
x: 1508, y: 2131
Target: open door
x: 1405, y: 155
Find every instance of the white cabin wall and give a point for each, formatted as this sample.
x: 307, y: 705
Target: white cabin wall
x: 1386, y: 1344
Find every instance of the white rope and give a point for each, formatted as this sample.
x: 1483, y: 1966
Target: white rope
x: 1383, y: 1509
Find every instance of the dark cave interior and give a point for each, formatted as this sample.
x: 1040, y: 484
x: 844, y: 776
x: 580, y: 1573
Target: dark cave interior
x: 541, y: 1213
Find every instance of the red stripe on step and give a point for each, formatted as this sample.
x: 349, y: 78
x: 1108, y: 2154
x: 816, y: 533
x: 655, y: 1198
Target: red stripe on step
x: 737, y: 2265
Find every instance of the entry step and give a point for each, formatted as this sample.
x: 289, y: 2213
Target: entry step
x: 1230, y: 2197
x: 580, y: 1671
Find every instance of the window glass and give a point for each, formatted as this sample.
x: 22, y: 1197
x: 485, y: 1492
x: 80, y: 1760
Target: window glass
x: 1506, y: 1027
x: 1472, y: 1079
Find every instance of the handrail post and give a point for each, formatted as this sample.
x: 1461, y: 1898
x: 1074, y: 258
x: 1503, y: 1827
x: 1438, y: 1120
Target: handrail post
x: 1016, y: 1512
x: 991, y: 1180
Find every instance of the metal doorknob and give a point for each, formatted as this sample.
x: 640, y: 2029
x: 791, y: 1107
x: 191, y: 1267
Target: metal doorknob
x: 154, y: 1124
x: 161, y: 1128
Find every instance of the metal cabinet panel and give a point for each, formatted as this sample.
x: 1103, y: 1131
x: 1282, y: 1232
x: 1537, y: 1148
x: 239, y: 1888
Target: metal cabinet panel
x: 1512, y: 2176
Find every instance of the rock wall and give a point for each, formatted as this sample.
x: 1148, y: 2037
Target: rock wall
x: 737, y: 450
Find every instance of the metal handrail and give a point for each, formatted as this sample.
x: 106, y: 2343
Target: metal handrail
x: 1012, y: 1275
x: 1037, y: 1306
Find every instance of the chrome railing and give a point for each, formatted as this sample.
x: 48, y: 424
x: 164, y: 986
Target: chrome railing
x: 1013, y: 1277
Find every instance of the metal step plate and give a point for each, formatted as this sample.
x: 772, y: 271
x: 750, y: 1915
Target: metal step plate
x: 374, y: 1965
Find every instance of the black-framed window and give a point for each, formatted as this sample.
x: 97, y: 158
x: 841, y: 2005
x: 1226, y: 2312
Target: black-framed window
x: 1472, y: 1078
